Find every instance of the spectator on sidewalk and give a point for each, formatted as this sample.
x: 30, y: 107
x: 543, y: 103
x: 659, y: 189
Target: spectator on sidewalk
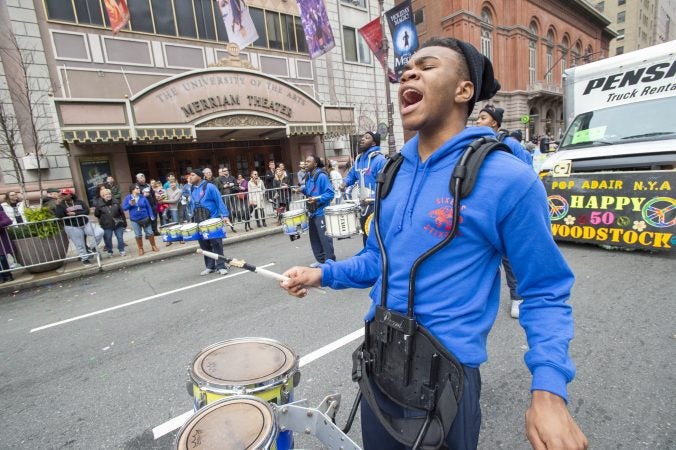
x: 77, y: 225
x: 243, y: 202
x: 141, y: 215
x: 146, y: 189
x: 14, y: 207
x: 256, y: 192
x: 5, y: 248
x: 184, y: 209
x: 173, y: 194
x: 114, y: 189
x: 51, y: 199
x: 112, y: 220
x: 230, y: 187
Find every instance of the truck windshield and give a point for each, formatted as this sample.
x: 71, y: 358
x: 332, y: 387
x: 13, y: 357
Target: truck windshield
x: 649, y: 120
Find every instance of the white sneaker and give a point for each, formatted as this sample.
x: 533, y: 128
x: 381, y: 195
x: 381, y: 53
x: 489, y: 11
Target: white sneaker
x: 223, y: 271
x: 515, y: 308
x: 206, y: 272
x: 315, y: 265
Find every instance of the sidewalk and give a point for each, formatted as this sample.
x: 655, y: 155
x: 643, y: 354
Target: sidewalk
x: 75, y: 269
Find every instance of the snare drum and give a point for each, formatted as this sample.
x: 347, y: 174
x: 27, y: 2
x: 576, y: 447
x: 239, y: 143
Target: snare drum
x: 165, y: 231
x: 212, y: 228
x: 252, y: 366
x: 175, y: 233
x: 246, y: 366
x: 342, y: 220
x: 233, y: 423
x: 294, y: 222
x: 189, y: 232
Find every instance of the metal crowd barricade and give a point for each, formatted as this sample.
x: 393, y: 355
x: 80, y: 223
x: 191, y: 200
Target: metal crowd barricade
x: 43, y: 246
x: 271, y: 202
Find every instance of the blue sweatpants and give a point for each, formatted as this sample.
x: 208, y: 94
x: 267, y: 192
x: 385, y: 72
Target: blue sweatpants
x: 464, y: 432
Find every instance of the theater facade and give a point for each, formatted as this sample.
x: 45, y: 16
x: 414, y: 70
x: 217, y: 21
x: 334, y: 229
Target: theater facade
x: 215, y: 117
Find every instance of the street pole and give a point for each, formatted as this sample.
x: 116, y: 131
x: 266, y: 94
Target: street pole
x: 392, y: 147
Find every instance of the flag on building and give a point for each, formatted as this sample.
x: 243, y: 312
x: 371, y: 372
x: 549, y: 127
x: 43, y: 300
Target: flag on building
x: 404, y: 35
x: 118, y: 14
x: 238, y: 23
x: 316, y: 27
x: 372, y: 34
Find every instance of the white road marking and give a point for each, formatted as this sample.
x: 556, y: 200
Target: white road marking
x: 177, y: 422
x: 141, y: 300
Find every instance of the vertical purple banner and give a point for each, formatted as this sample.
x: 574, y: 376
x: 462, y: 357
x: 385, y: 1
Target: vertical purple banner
x: 316, y: 26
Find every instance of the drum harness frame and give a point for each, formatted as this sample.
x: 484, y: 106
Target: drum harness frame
x: 404, y: 360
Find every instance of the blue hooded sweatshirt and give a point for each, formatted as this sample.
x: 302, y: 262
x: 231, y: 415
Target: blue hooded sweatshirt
x: 371, y: 162
x: 318, y: 184
x: 457, y: 291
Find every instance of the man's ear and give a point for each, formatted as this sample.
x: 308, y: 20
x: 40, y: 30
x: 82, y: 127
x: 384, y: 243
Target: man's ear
x: 464, y: 92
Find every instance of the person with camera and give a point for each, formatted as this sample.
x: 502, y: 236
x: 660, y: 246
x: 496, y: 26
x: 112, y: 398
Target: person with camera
x: 141, y: 215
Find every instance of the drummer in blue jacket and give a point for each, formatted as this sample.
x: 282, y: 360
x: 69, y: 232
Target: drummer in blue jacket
x: 319, y: 191
x: 363, y: 173
x: 457, y: 289
x: 206, y: 203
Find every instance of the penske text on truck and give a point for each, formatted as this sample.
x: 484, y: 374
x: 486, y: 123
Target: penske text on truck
x: 613, y: 179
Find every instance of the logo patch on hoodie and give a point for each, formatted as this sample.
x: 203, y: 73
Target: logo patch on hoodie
x: 442, y: 218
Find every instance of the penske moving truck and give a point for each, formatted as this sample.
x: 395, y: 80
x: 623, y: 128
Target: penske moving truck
x: 612, y: 180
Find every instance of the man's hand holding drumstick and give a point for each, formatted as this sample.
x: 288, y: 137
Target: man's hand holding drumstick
x: 299, y: 279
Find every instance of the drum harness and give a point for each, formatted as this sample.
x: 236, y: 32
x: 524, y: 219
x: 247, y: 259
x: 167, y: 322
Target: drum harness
x: 200, y: 213
x: 404, y: 360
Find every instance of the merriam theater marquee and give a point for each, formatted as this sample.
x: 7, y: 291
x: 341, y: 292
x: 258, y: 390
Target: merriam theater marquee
x: 218, y: 116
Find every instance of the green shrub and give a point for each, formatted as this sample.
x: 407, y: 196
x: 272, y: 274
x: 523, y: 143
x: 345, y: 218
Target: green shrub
x: 38, y: 224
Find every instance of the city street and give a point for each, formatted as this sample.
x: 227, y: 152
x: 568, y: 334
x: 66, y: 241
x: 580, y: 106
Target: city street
x: 101, y: 362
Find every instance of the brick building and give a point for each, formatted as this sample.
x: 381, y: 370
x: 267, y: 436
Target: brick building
x: 530, y: 44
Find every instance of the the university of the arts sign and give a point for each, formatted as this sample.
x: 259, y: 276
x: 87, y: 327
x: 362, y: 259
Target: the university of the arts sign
x: 189, y: 98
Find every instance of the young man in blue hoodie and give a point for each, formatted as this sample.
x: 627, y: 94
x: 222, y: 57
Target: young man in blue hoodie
x: 319, y: 192
x: 457, y: 289
x: 366, y: 167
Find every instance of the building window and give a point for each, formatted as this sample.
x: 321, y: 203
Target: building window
x: 620, y: 17
x: 419, y: 16
x: 619, y: 50
x: 600, y: 6
x: 532, y: 54
x: 532, y: 62
x: 355, y: 48
x: 621, y: 2
x: 564, y: 55
x: 192, y: 19
x: 486, y: 34
x: 360, y: 3
x: 620, y: 34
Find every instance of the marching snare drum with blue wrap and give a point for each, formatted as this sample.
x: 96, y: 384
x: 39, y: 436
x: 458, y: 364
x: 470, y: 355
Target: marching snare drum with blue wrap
x: 212, y: 229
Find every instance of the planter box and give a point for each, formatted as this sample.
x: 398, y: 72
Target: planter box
x: 34, y: 250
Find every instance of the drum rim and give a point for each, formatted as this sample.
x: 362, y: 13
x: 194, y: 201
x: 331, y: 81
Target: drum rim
x: 294, y: 213
x: 336, y: 210
x: 243, y: 389
x: 268, y: 441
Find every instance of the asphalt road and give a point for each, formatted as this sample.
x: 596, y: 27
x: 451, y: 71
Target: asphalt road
x: 106, y: 380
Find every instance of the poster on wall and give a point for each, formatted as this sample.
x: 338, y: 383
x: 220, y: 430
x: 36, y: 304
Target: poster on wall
x: 238, y: 23
x: 94, y: 172
x: 620, y: 209
x: 316, y: 26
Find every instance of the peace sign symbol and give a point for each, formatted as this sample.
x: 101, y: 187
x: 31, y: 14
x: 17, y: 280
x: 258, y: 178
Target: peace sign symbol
x: 623, y: 221
x: 660, y: 212
x: 558, y: 207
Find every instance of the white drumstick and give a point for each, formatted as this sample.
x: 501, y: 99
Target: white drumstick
x: 252, y: 268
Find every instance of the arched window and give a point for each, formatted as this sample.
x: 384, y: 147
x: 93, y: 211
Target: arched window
x: 564, y: 54
x: 532, y: 54
x: 550, y: 56
x: 575, y: 57
x: 487, y: 34
x: 588, y: 54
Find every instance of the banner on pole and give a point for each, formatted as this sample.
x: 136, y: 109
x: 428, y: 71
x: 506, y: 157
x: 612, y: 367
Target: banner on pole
x: 238, y: 23
x: 373, y: 36
x: 118, y: 14
x: 404, y: 35
x: 316, y: 26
